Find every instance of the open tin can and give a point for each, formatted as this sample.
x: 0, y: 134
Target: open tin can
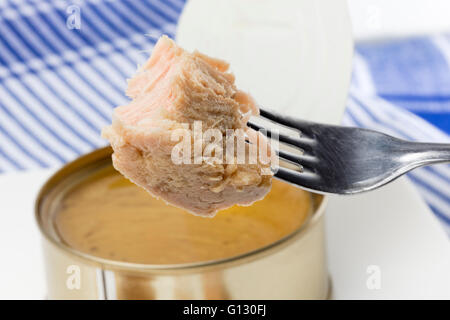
x: 293, y: 267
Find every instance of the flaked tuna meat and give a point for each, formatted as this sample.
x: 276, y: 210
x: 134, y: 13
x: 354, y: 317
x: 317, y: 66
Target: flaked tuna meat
x: 176, y: 90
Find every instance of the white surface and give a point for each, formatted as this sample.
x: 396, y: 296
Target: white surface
x: 21, y: 268
x: 398, y: 18
x: 392, y: 229
x: 292, y: 55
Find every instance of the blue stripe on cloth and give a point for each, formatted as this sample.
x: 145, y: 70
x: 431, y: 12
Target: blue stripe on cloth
x: 23, y: 148
x: 440, y: 121
x: 95, y: 37
x: 22, y: 48
x: 59, y: 85
x: 412, y: 74
x: 7, y: 160
x: 35, y: 112
x: 411, y: 66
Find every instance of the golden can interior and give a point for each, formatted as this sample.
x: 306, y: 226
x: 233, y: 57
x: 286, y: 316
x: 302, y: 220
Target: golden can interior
x: 105, y: 215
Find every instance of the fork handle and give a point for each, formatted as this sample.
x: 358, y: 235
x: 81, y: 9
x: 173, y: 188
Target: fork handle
x: 422, y: 154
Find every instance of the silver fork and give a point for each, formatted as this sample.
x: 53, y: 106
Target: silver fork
x: 346, y: 160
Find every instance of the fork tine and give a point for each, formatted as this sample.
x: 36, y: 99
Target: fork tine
x: 276, y: 117
x: 305, y: 180
x: 303, y: 161
x: 301, y: 125
x: 304, y: 144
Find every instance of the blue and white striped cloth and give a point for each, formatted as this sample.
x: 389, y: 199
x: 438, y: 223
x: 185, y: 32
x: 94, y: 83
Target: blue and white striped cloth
x: 58, y: 85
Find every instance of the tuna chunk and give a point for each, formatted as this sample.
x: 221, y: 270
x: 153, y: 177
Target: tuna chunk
x: 175, y: 90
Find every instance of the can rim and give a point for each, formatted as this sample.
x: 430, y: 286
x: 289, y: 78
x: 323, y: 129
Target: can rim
x: 136, y: 267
